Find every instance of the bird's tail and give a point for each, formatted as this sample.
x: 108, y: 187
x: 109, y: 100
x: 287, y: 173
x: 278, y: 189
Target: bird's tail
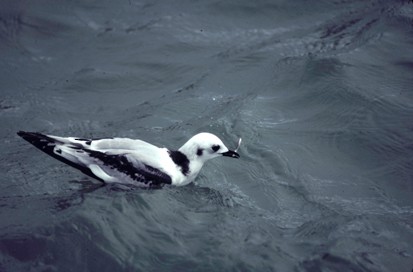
x: 57, y: 149
x: 41, y: 141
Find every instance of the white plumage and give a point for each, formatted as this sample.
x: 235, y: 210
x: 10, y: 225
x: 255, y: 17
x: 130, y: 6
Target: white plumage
x: 132, y: 161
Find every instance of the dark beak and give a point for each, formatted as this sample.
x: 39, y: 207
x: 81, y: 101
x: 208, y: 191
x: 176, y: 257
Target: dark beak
x: 231, y: 154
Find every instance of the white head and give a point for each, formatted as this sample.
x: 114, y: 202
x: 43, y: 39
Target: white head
x: 205, y: 146
x: 202, y: 147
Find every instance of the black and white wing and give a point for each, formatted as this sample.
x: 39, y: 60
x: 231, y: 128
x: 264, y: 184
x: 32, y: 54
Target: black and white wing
x: 107, y: 160
x: 113, y: 167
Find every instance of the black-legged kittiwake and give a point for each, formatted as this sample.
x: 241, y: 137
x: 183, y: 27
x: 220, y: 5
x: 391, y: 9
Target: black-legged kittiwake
x: 132, y: 161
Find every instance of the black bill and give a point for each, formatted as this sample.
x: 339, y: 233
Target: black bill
x: 231, y: 154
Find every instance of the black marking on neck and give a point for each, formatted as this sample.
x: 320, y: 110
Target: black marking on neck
x: 199, y: 151
x: 181, y: 160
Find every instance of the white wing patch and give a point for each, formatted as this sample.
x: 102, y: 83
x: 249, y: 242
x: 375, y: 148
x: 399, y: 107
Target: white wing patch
x: 97, y: 171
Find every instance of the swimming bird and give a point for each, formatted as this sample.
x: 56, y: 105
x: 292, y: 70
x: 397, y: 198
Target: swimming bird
x: 132, y: 161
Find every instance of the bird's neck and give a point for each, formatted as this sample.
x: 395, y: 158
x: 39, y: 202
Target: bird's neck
x: 195, y: 162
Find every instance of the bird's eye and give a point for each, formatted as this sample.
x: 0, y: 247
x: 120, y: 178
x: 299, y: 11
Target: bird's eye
x: 215, y: 148
x: 199, y: 152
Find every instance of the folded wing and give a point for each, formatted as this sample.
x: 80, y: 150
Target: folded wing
x: 107, y: 160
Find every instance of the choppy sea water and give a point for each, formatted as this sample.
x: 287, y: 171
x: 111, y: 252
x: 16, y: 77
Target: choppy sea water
x: 320, y: 91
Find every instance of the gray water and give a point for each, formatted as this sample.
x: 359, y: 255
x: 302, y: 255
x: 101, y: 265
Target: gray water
x: 320, y: 91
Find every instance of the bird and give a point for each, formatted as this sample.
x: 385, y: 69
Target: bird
x: 133, y: 161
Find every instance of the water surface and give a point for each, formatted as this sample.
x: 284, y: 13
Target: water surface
x: 321, y: 93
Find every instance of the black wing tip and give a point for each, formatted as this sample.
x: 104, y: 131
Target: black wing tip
x: 26, y: 135
x: 22, y: 133
x: 37, y: 139
x: 30, y: 135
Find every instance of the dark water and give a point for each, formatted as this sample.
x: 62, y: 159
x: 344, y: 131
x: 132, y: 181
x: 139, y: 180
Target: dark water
x: 320, y: 91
